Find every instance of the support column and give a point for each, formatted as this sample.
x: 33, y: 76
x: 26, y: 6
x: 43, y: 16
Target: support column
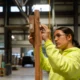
x: 8, y: 51
x: 75, y: 7
x: 53, y: 17
x: 7, y: 40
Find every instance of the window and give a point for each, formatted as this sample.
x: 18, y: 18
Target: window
x: 1, y: 45
x: 15, y: 9
x: 1, y: 9
x: 41, y: 8
x: 1, y: 52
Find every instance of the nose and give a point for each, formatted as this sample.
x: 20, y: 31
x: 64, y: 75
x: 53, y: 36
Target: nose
x: 55, y: 38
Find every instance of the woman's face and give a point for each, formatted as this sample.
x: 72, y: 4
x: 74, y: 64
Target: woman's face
x: 61, y: 39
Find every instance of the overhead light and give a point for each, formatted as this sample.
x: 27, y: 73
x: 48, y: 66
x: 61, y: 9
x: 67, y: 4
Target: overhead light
x: 41, y: 7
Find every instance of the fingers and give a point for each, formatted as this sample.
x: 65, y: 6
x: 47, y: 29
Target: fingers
x: 44, y: 28
x: 44, y: 32
x: 29, y: 37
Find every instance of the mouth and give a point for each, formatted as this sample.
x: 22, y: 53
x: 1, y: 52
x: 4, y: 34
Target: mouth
x: 57, y: 44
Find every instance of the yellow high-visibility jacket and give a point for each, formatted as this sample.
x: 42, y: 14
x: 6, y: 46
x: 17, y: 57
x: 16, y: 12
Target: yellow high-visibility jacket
x: 61, y: 65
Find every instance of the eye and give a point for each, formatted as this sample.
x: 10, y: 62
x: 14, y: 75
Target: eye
x: 58, y: 35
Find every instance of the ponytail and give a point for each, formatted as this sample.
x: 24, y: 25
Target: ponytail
x: 76, y: 43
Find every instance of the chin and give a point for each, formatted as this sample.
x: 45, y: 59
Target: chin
x: 59, y: 47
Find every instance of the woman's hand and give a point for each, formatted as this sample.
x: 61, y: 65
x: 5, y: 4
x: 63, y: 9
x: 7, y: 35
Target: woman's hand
x: 45, y: 32
x: 31, y: 39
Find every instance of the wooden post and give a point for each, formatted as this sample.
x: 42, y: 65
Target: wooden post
x: 35, y: 31
x: 37, y: 45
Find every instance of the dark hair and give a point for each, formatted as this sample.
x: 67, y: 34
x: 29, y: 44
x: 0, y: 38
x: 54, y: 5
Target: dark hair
x: 67, y: 31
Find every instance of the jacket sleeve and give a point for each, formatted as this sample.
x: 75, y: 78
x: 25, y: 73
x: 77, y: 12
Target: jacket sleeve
x: 44, y: 62
x: 66, y: 65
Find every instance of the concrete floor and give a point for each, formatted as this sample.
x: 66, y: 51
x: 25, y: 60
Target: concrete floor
x: 26, y: 73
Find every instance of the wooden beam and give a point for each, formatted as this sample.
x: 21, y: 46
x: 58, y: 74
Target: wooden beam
x: 35, y: 32
x: 37, y: 45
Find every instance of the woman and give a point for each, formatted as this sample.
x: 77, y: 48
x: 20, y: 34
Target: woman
x: 63, y: 62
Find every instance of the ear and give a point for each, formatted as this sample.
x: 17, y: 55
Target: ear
x: 69, y: 37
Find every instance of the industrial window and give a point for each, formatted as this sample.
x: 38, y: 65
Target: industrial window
x: 41, y: 7
x: 1, y: 9
x: 15, y: 9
